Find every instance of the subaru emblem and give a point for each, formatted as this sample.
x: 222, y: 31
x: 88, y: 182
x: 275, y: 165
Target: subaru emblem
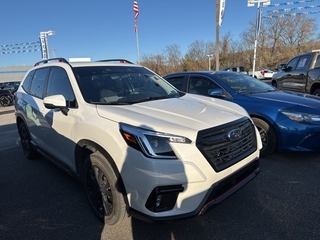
x: 234, y: 134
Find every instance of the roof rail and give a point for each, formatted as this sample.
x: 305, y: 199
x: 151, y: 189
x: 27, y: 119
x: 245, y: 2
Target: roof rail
x: 51, y: 60
x: 317, y: 50
x: 116, y: 60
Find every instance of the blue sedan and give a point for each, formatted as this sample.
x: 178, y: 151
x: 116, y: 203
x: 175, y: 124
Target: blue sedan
x: 285, y: 120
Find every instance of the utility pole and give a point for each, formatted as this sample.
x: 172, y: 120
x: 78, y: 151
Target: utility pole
x: 258, y: 23
x: 217, y: 34
x: 53, y: 52
x: 209, y: 56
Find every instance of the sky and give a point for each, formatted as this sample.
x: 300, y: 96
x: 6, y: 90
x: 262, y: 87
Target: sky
x: 104, y: 29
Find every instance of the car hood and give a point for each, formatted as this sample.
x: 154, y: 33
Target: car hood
x: 288, y: 99
x: 184, y: 116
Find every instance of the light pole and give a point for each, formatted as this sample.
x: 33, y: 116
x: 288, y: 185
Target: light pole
x: 209, y: 56
x: 44, y: 43
x: 258, y: 22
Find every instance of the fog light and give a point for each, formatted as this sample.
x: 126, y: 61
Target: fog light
x: 158, y: 200
x: 163, y: 198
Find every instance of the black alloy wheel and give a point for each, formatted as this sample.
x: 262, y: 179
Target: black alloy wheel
x: 25, y: 140
x: 103, y: 189
x: 268, y: 137
x: 5, y: 100
x: 316, y: 92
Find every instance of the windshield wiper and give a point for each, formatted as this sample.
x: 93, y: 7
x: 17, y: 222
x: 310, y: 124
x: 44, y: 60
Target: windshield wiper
x: 110, y: 103
x: 148, y: 99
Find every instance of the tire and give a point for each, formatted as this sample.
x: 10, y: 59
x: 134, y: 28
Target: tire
x: 316, y: 92
x: 5, y: 100
x: 103, y: 189
x: 274, y: 84
x: 268, y: 137
x: 25, y: 140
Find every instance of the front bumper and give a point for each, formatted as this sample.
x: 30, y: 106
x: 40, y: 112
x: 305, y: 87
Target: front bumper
x: 298, y: 137
x: 218, y: 192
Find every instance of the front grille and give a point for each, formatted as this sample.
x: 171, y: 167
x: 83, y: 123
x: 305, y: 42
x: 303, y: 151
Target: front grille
x: 226, y: 145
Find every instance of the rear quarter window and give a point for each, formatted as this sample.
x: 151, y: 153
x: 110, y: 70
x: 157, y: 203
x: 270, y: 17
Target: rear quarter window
x: 27, y: 81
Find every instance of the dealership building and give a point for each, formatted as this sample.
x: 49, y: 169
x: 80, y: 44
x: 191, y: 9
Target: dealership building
x: 13, y: 74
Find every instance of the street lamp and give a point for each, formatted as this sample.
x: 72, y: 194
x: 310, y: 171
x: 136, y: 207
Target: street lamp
x: 258, y: 21
x: 44, y: 43
x: 209, y: 56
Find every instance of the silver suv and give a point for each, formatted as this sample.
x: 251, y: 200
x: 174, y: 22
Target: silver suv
x: 140, y: 147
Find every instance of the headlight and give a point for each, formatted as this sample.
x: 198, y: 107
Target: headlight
x: 302, y: 117
x: 152, y: 144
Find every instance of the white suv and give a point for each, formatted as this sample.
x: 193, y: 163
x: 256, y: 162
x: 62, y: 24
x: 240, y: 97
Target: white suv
x: 139, y: 146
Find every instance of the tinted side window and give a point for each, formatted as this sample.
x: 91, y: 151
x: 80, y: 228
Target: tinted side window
x: 201, y: 85
x: 38, y: 82
x: 59, y: 84
x: 293, y: 63
x: 27, y: 82
x: 317, y: 64
x: 177, y: 82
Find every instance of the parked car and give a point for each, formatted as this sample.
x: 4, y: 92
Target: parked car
x: 238, y: 69
x: 301, y: 74
x: 11, y: 86
x: 139, y: 146
x: 6, y: 98
x: 263, y: 74
x: 286, y: 121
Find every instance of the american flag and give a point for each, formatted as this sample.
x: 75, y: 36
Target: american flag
x: 136, y: 14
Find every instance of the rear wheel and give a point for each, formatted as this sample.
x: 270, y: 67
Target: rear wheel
x: 268, y: 137
x: 316, y: 92
x: 25, y: 140
x: 103, y: 189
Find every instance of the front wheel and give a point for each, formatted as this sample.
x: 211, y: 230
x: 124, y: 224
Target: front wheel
x: 5, y: 101
x: 268, y: 137
x: 103, y: 189
x: 316, y: 92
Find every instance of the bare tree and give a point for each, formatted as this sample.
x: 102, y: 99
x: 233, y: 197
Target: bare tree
x: 197, y: 53
x: 280, y: 39
x: 173, y: 57
x: 297, y: 31
x: 154, y: 62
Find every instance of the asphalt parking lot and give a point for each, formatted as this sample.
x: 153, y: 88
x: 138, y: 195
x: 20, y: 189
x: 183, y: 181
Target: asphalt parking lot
x: 39, y: 201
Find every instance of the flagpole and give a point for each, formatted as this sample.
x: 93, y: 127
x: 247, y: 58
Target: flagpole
x: 136, y: 14
x: 217, y: 34
x: 137, y: 41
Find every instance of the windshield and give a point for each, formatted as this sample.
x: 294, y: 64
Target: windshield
x: 121, y: 85
x: 245, y: 84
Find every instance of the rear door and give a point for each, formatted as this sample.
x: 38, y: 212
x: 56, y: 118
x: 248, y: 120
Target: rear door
x: 34, y: 104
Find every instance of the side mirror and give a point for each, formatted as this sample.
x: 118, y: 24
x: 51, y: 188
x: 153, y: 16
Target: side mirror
x: 56, y: 101
x: 286, y: 68
x: 216, y: 92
